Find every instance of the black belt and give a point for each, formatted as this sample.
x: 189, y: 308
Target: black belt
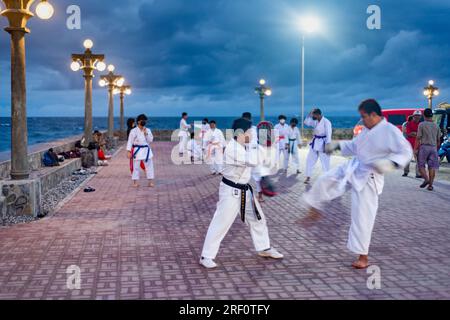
x: 244, y: 188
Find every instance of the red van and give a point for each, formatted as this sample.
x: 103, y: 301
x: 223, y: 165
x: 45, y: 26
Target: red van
x: 395, y: 116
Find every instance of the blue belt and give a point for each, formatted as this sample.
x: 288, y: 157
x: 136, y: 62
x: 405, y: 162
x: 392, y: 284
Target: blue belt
x: 291, y: 148
x: 313, y: 143
x: 138, y: 148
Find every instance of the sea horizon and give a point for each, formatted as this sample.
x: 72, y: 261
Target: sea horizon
x: 48, y: 129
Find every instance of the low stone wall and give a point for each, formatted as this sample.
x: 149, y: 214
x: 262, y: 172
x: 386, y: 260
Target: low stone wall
x: 37, y: 153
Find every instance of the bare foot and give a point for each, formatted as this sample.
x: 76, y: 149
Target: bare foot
x: 361, y: 263
x: 151, y: 184
x: 261, y: 198
x: 135, y: 185
x: 312, y: 217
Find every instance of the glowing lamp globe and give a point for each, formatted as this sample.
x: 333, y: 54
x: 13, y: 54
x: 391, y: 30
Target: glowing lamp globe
x: 75, y: 66
x: 88, y: 44
x: 44, y: 10
x: 101, y: 66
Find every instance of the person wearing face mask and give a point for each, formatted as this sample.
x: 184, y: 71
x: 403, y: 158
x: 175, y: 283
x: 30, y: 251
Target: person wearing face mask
x: 236, y: 196
x: 184, y: 133
x: 323, y: 132
x: 379, y: 149
x: 295, y: 141
x: 282, y: 133
x: 139, y: 151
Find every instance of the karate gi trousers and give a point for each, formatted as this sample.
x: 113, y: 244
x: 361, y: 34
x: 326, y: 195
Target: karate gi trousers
x: 363, y: 209
x: 311, y: 161
x: 228, y: 208
x: 149, y: 169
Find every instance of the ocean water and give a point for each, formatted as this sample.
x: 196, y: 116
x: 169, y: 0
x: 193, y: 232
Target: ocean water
x: 41, y: 130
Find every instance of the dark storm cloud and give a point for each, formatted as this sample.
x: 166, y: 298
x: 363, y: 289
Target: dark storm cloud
x: 206, y: 55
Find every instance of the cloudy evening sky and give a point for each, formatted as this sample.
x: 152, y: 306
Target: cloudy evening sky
x: 205, y: 57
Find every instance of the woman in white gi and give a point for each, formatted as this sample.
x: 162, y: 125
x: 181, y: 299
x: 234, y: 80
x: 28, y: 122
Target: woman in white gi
x: 236, y: 197
x: 282, y: 132
x: 215, y: 145
x: 379, y: 148
x: 139, y: 151
x: 295, y: 143
x: 184, y: 133
x: 323, y: 133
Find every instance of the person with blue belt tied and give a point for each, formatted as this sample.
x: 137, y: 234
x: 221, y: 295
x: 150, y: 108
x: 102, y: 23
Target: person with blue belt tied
x: 140, y: 152
x: 236, y: 195
x: 322, y: 136
x: 295, y: 143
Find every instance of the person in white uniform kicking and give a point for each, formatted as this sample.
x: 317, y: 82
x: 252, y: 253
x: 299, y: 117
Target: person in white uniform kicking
x: 323, y: 133
x: 215, y: 144
x: 380, y: 148
x: 184, y: 133
x: 282, y: 132
x: 236, y: 197
x: 295, y: 143
x: 139, y: 151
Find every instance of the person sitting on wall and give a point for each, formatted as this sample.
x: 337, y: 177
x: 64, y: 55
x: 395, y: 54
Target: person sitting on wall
x: 50, y: 159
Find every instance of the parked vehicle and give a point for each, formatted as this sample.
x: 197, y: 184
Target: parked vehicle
x: 395, y: 116
x: 444, y: 151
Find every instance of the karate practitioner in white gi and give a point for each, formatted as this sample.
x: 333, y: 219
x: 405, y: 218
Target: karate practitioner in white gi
x: 194, y: 148
x: 215, y: 144
x: 139, y: 151
x: 380, y: 148
x: 204, y: 131
x: 323, y: 133
x: 282, y: 132
x: 184, y: 133
x: 295, y: 143
x: 236, y: 196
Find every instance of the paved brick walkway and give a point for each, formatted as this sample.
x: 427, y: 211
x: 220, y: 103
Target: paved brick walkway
x: 145, y: 244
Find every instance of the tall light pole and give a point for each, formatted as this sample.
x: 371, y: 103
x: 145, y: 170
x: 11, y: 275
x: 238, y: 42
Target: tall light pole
x: 88, y: 62
x: 430, y: 92
x: 122, y: 90
x: 307, y: 25
x: 18, y: 13
x: 111, y: 81
x: 263, y: 91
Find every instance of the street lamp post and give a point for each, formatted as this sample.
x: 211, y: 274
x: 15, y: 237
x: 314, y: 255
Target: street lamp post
x: 111, y: 81
x: 308, y: 25
x: 18, y: 13
x: 263, y: 91
x: 122, y: 90
x: 430, y: 92
x: 88, y: 62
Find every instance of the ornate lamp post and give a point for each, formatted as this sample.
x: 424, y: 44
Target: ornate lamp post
x: 111, y: 81
x: 122, y: 90
x: 430, y: 92
x: 88, y: 62
x: 18, y: 13
x: 263, y: 91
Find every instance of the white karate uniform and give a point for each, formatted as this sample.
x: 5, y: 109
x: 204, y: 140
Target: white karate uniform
x: 183, y: 135
x: 282, y: 132
x: 194, y: 150
x: 214, y: 152
x: 238, y: 167
x: 294, y: 139
x: 203, y: 133
x: 323, y: 133
x: 139, y: 138
x: 384, y: 141
x: 256, y: 176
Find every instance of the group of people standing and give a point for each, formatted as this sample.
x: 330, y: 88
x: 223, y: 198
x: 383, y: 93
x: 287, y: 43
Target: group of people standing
x: 425, y: 139
x: 377, y: 150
